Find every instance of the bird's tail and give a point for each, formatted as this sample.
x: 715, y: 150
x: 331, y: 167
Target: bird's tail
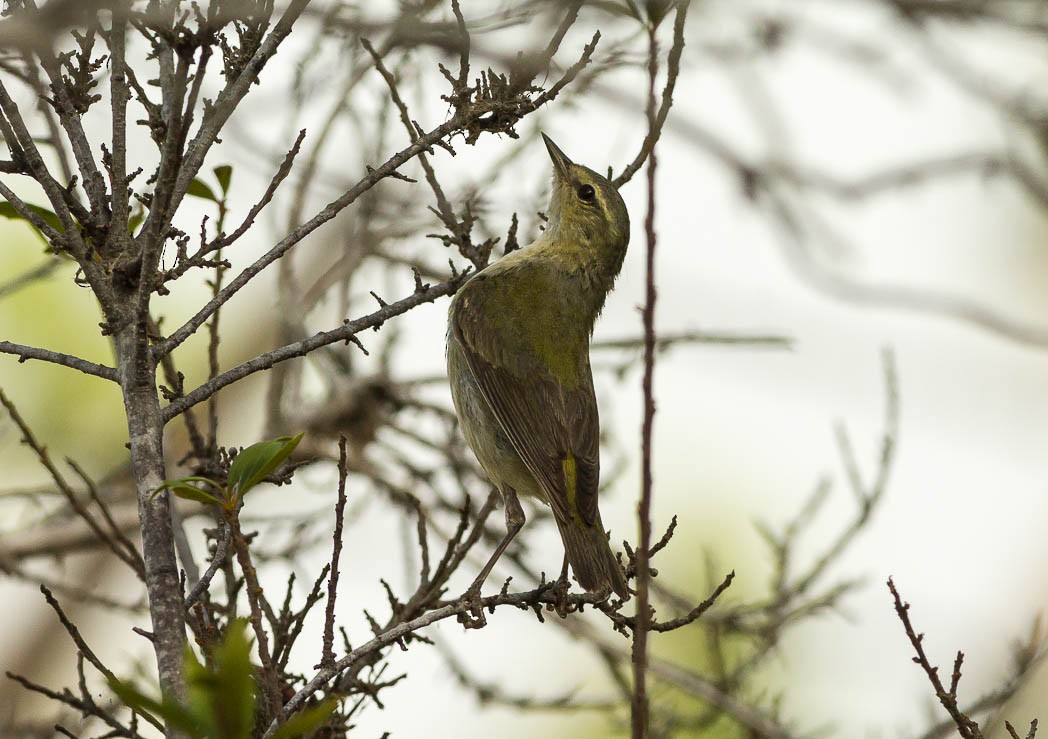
x: 591, y: 558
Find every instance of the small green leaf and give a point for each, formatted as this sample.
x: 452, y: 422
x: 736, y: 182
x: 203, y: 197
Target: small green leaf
x: 255, y: 462
x: 188, y: 492
x: 135, y: 220
x: 183, y: 487
x: 200, y: 189
x: 306, y: 721
x: 8, y: 211
x: 223, y: 173
x: 614, y: 8
x: 657, y: 10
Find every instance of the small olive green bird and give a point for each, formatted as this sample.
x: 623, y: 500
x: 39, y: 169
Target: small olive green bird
x: 518, y: 364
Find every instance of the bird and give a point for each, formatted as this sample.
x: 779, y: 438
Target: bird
x: 519, y: 369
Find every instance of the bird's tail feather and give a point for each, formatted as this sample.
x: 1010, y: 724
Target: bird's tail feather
x: 591, y: 558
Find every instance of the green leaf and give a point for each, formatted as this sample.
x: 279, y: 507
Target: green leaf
x: 8, y: 211
x: 200, y: 189
x: 257, y: 461
x: 220, y: 696
x: 632, y: 10
x: 307, y: 721
x: 157, y: 711
x: 184, y: 488
x: 199, y: 686
x: 224, y: 693
x: 223, y: 173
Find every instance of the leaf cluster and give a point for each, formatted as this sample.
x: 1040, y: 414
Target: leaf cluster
x: 249, y: 467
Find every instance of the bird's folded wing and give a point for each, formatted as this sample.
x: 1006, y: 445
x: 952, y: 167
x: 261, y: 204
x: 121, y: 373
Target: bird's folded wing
x: 554, y: 429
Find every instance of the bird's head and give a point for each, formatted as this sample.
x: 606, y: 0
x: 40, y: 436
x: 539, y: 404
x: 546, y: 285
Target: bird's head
x: 586, y: 210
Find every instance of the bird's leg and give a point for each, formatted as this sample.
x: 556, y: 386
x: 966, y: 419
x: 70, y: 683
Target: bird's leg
x: 514, y: 522
x: 561, y: 588
x: 564, y: 570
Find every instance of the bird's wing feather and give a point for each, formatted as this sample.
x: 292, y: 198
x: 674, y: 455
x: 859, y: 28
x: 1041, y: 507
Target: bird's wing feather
x: 553, y: 427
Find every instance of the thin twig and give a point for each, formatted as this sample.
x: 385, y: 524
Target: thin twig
x: 115, y: 531
x: 657, y: 120
x: 130, y: 557
x: 966, y: 727
x: 65, y: 360
x: 303, y: 230
x: 255, y: 597
x: 217, y: 560
x: 74, y: 634
x: 328, y: 657
x: 667, y: 340
x: 542, y: 596
x: 344, y: 333
x: 640, y: 710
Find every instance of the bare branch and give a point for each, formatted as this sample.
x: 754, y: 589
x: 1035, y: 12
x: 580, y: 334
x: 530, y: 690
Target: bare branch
x: 966, y: 727
x: 25, y: 353
x: 658, y: 120
x: 345, y: 333
x: 328, y: 657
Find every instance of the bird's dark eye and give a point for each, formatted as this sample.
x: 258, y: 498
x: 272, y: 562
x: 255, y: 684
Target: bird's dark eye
x: 587, y: 193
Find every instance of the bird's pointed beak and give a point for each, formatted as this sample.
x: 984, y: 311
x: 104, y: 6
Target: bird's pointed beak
x: 561, y: 163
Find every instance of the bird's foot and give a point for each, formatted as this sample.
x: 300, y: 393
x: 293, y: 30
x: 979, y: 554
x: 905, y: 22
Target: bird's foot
x: 560, y: 590
x: 473, y: 617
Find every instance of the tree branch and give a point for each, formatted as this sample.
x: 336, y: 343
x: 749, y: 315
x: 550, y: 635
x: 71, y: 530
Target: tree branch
x: 25, y: 353
x: 346, y: 332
